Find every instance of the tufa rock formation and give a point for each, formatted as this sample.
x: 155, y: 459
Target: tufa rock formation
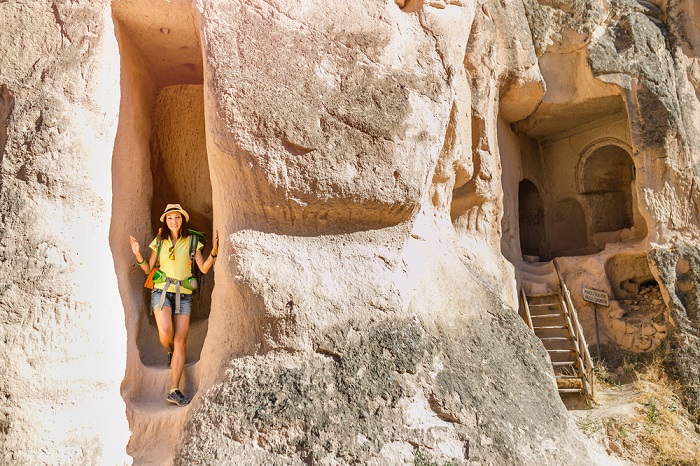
x: 386, y: 176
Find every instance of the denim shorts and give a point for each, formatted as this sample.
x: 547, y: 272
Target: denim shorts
x: 185, y: 301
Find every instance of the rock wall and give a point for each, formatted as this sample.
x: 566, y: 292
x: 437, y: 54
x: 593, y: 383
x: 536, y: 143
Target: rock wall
x: 366, y: 165
x: 360, y: 354
x: 62, y: 356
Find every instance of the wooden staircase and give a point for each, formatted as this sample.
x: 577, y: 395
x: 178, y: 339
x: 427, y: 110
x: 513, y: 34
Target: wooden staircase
x: 552, y: 317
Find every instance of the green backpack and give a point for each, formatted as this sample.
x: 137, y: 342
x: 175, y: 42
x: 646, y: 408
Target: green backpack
x: 196, y: 236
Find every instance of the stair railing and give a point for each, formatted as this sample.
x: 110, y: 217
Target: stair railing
x: 584, y: 356
x: 526, y: 306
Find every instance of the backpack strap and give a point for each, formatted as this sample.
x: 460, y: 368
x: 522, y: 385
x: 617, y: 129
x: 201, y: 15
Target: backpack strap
x: 159, y: 243
x: 193, y: 250
x: 194, y: 239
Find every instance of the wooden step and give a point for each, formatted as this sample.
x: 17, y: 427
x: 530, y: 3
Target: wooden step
x: 542, y: 316
x: 559, y: 345
x: 564, y: 363
x: 551, y: 313
x: 547, y: 295
x: 551, y: 332
x: 570, y: 390
x: 567, y: 377
x: 543, y: 304
x: 561, y: 351
x: 549, y: 322
x: 549, y: 327
x: 555, y: 338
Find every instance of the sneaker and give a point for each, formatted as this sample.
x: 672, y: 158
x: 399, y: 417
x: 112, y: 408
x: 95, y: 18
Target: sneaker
x: 170, y: 358
x: 176, y: 396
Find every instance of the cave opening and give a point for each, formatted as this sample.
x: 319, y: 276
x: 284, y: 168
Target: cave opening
x: 531, y: 219
x: 180, y: 174
x: 627, y: 274
x: 160, y: 156
x: 578, y: 156
x: 161, y: 145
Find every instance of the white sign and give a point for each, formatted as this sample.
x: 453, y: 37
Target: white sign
x: 596, y: 297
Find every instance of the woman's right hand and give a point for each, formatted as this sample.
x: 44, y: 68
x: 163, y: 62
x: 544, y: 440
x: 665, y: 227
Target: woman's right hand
x: 135, y: 248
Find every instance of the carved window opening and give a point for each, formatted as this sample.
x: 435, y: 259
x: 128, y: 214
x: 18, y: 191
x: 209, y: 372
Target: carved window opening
x: 607, y: 177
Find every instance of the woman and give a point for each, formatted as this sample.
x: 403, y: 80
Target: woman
x: 174, y: 261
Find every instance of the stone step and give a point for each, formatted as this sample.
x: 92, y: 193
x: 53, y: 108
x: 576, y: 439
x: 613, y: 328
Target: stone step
x: 154, y: 422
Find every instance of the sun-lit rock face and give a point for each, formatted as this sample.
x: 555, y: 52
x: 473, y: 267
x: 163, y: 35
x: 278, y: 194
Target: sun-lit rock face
x: 385, y: 177
x: 62, y: 334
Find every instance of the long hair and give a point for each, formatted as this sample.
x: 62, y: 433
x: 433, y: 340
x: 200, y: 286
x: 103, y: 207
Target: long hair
x: 165, y: 231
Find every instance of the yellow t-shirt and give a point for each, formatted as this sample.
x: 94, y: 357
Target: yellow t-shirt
x: 177, y: 268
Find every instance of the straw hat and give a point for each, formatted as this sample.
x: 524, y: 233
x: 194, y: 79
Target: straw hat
x: 174, y: 208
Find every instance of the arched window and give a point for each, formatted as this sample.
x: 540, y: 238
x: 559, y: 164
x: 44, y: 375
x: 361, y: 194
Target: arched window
x: 606, y: 183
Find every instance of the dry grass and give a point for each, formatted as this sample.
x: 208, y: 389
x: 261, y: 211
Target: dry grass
x: 643, y: 422
x: 667, y: 425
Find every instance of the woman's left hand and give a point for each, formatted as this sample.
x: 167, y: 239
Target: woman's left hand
x: 215, y: 246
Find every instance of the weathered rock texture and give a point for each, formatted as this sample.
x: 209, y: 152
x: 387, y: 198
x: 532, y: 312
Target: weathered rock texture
x: 382, y: 174
x: 62, y: 352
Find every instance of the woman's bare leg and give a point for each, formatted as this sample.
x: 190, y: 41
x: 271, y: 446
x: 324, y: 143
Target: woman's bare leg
x: 177, y: 365
x: 164, y: 321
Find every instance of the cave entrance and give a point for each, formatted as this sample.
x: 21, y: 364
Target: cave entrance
x: 180, y: 174
x: 160, y: 154
x: 578, y: 156
x: 531, y: 219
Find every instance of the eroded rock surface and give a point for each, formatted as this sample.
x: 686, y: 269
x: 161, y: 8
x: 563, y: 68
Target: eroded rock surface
x: 377, y: 390
x: 62, y: 353
x: 382, y: 173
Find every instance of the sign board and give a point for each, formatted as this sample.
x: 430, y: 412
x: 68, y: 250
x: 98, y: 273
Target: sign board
x: 596, y: 297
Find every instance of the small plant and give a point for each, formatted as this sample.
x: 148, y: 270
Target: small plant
x: 622, y: 431
x: 627, y: 367
x: 589, y: 425
x: 615, y: 428
x: 604, y: 376
x: 424, y: 459
x: 672, y: 407
x: 651, y: 412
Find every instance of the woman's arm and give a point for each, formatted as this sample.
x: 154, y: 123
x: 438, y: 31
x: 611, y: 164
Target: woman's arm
x: 140, y: 261
x: 205, y: 265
